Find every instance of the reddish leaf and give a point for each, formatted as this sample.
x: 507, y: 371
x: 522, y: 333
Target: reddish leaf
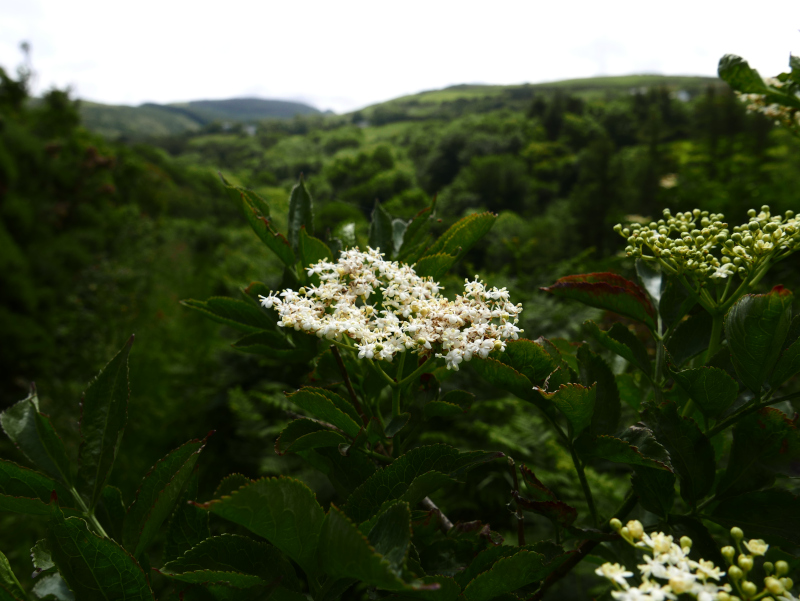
x: 607, y: 291
x: 557, y: 511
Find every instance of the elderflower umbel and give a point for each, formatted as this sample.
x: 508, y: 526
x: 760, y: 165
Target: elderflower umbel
x: 666, y: 561
x: 385, y: 308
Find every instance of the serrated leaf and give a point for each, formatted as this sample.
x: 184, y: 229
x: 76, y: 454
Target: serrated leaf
x: 94, y: 567
x: 256, y: 212
x: 738, y: 74
x: 396, y: 424
x: 398, y: 233
x: 301, y: 213
x: 788, y: 363
x: 33, y: 433
x: 324, y: 409
x: 676, y: 302
x: 111, y: 511
x: 345, y: 473
x: 188, y: 525
x: 157, y: 495
x: 531, y: 359
x: 104, y: 412
x: 504, y: 376
x: 415, y: 235
x: 345, y: 552
x: 390, y: 534
x: 623, y: 342
x: 535, y: 487
x: 555, y: 511
x: 710, y: 388
x: 435, y: 266
x: 342, y: 404
x: 395, y: 480
x: 509, y: 574
x: 41, y: 557
x: 576, y: 402
x: 690, y: 338
x: 652, y: 279
x: 463, y: 234
x: 229, y: 484
x: 607, y: 409
x: 24, y: 490
x: 381, y: 230
x: 304, y: 434
x: 655, y: 489
x: 691, y: 453
x: 234, y: 313
x: 313, y: 250
x: 274, y: 345
x: 618, y: 450
x: 772, y: 514
x: 10, y: 587
x: 441, y: 409
x: 288, y: 516
x: 51, y: 587
x: 756, y: 326
x: 235, y: 555
x: 765, y: 443
x: 607, y: 291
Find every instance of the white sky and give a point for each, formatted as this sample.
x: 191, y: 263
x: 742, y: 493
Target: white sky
x: 346, y: 54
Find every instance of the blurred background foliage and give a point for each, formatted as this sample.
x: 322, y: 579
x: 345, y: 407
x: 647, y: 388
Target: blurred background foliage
x: 100, y: 238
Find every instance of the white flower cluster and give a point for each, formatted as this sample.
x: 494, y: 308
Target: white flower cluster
x: 385, y: 308
x: 667, y: 561
x: 781, y: 114
x: 664, y: 561
x: 699, y: 243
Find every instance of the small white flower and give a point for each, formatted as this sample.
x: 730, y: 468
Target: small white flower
x: 615, y: 573
x: 756, y: 546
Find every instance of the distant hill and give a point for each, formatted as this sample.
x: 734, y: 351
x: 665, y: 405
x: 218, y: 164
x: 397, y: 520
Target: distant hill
x: 432, y: 103
x: 156, y: 120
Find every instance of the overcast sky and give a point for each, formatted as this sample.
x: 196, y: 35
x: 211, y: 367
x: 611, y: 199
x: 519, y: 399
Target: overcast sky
x: 346, y: 54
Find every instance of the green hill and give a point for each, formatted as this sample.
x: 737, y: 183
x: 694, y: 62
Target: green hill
x: 157, y: 120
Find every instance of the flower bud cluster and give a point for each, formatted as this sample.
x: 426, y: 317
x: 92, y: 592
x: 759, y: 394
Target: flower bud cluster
x: 667, y: 571
x: 700, y: 244
x: 385, y: 308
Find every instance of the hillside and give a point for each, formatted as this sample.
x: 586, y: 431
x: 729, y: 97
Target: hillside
x: 157, y: 120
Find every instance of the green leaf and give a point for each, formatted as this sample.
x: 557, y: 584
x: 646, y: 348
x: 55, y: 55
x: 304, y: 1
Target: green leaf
x: 398, y: 480
x: 691, y: 453
x: 324, y: 409
x: 452, y: 403
x: 390, y: 534
x: 283, y: 511
x: 435, y: 266
x: 772, y: 514
x: 764, y: 443
x: 256, y: 212
x: 10, y: 588
x: 274, y: 345
x: 157, y: 495
x: 738, y: 74
x: 41, y: 557
x: 33, y: 433
x: 531, y: 359
x: 623, y: 342
x: 381, y: 230
x: 690, y: 338
x: 631, y: 389
x: 789, y: 361
x: 647, y: 453
x: 415, y: 236
x: 652, y: 279
x: 51, y: 587
x: 301, y: 214
x: 345, y: 552
x: 710, y: 388
x: 534, y: 486
x: 398, y: 233
x: 607, y: 407
x: 104, y: 412
x: 313, y: 250
x: 234, y: 313
x: 93, y: 567
x: 346, y: 473
x: 576, y: 402
x: 463, y: 234
x: 676, y: 301
x: 231, y: 558
x: 397, y: 423
x: 110, y: 511
x: 509, y: 574
x: 655, y: 489
x: 24, y: 490
x: 188, y: 525
x: 756, y: 326
x: 342, y: 404
x: 304, y: 434
x: 607, y: 291
x: 229, y: 484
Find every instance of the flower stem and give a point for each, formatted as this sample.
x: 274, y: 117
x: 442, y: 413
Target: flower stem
x: 587, y: 492
x: 89, y: 514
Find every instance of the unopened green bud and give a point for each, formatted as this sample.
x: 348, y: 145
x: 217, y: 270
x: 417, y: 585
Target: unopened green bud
x: 787, y: 582
x: 789, y: 214
x: 686, y: 542
x: 774, y: 586
x: 723, y: 596
x: 735, y: 573
x: 765, y: 209
x: 768, y: 568
x: 781, y: 568
x: 737, y: 533
x: 753, y: 226
x: 615, y: 524
x: 745, y: 562
x: 751, y: 213
x: 379, y: 347
x: 749, y: 588
x: 618, y: 228
x: 625, y: 533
